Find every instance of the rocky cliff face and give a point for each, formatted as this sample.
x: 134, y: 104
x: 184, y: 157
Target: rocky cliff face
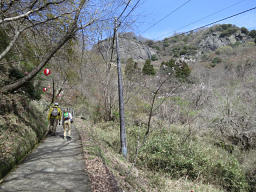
x: 180, y: 46
x: 214, y: 40
x: 129, y: 47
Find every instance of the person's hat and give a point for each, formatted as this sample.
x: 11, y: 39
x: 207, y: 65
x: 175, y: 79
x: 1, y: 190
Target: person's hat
x: 56, y: 104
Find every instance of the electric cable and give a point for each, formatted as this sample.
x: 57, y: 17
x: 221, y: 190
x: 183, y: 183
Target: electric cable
x: 212, y: 14
x: 214, y: 22
x: 127, y: 4
x: 173, y: 11
x: 131, y: 10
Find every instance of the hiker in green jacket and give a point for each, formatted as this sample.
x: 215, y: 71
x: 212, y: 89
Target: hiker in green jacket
x: 54, y: 116
x: 67, y: 119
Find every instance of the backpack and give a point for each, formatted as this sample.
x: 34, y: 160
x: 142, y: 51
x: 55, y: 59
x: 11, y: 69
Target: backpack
x: 65, y: 115
x: 55, y: 112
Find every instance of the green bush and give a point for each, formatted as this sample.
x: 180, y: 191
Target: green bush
x: 150, y: 43
x: 228, y: 32
x: 252, y: 34
x: 216, y: 60
x: 180, y: 69
x: 176, y: 51
x: 130, y: 67
x: 183, y: 71
x: 183, y: 50
x: 226, y: 26
x: 156, y: 47
x: 227, y: 50
x: 244, y: 30
x: 165, y: 151
x: 166, y: 44
x: 148, y: 69
x: 154, y: 58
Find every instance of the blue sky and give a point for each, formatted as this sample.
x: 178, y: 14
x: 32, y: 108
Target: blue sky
x: 151, y: 11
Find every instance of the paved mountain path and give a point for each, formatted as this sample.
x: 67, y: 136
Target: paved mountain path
x: 56, y: 165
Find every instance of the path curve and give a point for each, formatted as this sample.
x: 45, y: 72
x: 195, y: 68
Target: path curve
x: 56, y: 165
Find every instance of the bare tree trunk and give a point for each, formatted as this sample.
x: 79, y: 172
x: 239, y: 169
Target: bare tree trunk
x: 152, y: 107
x: 53, y: 91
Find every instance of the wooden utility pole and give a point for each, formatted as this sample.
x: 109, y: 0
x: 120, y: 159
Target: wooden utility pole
x: 121, y: 99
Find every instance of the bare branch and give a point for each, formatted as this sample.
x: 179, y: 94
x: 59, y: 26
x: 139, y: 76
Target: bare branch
x: 72, y: 29
x: 8, y: 48
x: 29, y: 12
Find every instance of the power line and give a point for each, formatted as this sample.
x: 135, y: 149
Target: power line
x: 173, y: 11
x: 131, y: 10
x: 115, y: 29
x: 215, y: 22
x: 124, y: 9
x: 212, y: 14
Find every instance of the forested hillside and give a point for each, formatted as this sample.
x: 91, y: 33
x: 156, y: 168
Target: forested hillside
x: 189, y: 100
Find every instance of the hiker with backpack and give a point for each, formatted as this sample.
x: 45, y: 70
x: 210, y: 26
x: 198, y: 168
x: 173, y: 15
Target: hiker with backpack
x: 54, y: 118
x: 67, y: 119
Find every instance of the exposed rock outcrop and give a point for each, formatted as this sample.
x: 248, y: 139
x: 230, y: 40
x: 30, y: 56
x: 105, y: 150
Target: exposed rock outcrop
x: 214, y: 40
x: 129, y: 47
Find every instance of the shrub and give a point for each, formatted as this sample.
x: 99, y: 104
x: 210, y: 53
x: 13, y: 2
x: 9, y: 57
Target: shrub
x: 148, y: 68
x: 244, y: 30
x: 150, y: 43
x: 129, y: 67
x: 205, y: 57
x: 252, y: 34
x: 156, y: 47
x: 180, y: 69
x: 228, y: 50
x: 236, y: 44
x: 185, y: 39
x: 176, y: 51
x: 228, y: 32
x: 166, y: 152
x: 226, y: 26
x: 216, y: 60
x: 217, y: 52
x: 154, y: 58
x: 165, y: 44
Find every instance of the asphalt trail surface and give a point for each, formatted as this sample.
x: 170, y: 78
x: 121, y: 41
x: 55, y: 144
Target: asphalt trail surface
x: 56, y: 165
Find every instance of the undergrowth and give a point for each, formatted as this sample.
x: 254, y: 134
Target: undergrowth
x: 166, y: 159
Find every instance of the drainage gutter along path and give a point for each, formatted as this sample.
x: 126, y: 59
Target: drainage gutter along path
x: 56, y: 165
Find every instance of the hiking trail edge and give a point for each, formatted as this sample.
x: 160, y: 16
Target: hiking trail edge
x: 55, y: 165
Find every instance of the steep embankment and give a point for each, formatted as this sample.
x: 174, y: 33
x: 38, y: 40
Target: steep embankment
x: 22, y: 126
